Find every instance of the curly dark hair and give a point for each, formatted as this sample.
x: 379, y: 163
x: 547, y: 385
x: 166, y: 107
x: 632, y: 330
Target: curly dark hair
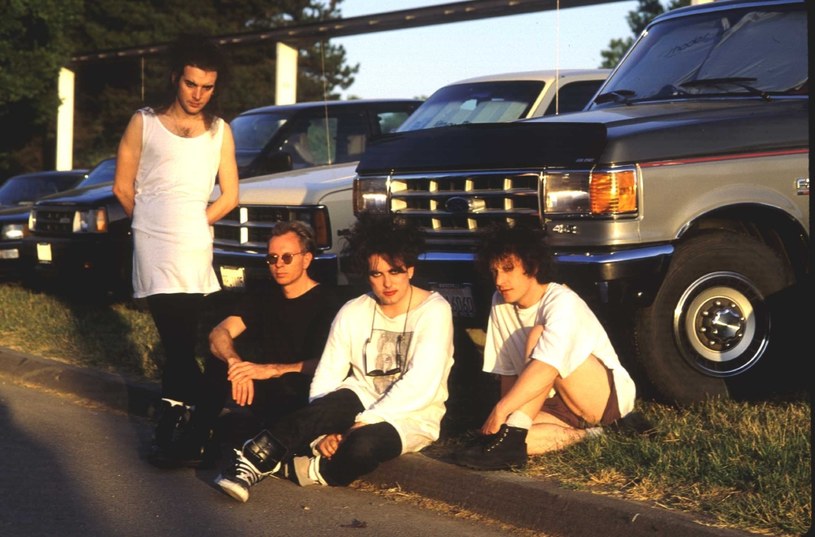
x: 522, y: 241
x: 395, y: 241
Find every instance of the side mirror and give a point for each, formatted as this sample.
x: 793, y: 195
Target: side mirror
x: 276, y: 161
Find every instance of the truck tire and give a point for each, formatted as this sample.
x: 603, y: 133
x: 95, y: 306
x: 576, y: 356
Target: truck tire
x: 709, y: 325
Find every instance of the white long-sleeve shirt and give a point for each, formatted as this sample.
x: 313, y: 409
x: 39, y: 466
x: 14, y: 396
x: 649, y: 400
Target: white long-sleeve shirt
x: 412, y: 400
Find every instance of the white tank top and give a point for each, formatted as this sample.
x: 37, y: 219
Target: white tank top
x: 174, y: 182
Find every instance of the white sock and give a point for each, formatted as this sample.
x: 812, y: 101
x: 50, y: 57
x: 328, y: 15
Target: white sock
x: 520, y: 420
x: 314, y: 470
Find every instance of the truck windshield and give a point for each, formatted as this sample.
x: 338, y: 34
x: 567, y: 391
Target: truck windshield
x: 481, y: 102
x: 253, y: 131
x: 714, y: 55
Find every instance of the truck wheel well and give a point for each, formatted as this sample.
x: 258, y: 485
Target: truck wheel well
x: 774, y: 228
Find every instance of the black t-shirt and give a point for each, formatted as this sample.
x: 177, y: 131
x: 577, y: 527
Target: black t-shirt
x: 287, y: 330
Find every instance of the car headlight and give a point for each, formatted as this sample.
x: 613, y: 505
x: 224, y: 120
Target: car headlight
x: 371, y: 195
x: 607, y: 192
x: 12, y: 232
x: 91, y: 221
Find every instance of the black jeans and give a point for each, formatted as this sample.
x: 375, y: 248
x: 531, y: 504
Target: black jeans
x: 359, y: 453
x: 274, y: 398
x: 176, y: 317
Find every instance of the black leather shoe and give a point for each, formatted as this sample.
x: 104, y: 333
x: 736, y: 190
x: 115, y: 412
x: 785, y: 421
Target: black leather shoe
x: 171, y: 420
x: 503, y: 450
x: 195, y: 448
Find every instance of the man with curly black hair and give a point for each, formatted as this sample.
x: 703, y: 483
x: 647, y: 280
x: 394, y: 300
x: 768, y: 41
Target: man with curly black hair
x: 561, y: 379
x: 381, y: 384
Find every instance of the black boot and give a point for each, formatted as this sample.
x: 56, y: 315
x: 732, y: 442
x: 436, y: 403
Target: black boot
x: 172, y: 419
x: 196, y: 447
x: 503, y: 450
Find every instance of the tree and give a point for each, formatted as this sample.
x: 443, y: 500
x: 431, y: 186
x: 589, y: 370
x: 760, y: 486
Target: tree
x: 34, y: 44
x: 108, y: 92
x: 637, y: 21
x: 111, y: 92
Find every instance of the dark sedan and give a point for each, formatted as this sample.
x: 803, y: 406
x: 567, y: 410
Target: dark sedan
x: 17, y: 195
x: 16, y: 259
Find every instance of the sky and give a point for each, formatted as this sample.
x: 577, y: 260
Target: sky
x: 417, y: 61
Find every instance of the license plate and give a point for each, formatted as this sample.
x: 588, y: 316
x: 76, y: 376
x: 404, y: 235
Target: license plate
x: 44, y: 252
x: 11, y: 253
x: 459, y: 296
x: 233, y: 277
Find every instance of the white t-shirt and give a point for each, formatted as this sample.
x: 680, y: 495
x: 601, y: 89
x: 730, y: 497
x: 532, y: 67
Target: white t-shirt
x: 413, y: 400
x: 571, y: 333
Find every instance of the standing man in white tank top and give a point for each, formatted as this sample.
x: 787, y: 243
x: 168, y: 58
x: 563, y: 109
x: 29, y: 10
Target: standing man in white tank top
x: 168, y: 160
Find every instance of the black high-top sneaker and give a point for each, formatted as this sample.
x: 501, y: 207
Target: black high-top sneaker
x: 259, y: 458
x: 503, y: 450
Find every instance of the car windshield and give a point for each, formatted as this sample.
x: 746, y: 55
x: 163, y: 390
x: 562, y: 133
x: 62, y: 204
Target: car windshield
x: 101, y: 173
x: 711, y: 54
x: 253, y: 131
x: 24, y: 190
x: 478, y: 102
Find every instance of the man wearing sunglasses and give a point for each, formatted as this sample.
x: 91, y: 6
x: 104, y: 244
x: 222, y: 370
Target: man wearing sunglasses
x: 381, y: 384
x: 288, y: 322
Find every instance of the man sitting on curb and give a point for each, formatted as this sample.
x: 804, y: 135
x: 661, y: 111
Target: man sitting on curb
x: 290, y: 318
x: 561, y: 380
x: 381, y: 384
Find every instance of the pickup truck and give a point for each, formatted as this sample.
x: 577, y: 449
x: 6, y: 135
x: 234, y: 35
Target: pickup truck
x: 321, y: 195
x: 83, y: 236
x: 677, y: 203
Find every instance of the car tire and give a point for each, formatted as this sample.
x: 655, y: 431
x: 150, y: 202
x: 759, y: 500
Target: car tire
x: 709, y: 325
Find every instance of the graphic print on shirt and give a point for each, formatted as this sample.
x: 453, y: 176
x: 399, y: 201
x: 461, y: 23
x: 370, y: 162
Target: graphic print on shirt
x: 385, y: 355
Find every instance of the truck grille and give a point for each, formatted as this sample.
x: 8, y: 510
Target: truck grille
x: 452, y: 208
x: 248, y: 227
x: 54, y: 220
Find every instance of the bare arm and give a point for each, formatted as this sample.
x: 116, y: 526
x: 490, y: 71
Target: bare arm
x: 227, y: 180
x: 127, y: 164
x: 222, y: 339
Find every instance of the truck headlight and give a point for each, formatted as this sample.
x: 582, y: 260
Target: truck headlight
x: 12, y: 232
x: 606, y: 192
x: 371, y: 195
x: 91, y: 221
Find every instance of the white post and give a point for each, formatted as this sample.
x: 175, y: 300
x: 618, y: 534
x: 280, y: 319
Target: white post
x: 65, y: 120
x: 286, y: 74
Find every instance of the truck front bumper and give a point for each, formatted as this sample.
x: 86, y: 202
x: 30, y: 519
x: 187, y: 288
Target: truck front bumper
x: 625, y: 276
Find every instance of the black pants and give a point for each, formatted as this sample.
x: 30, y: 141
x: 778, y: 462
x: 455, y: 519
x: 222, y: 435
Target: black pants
x: 274, y: 398
x: 176, y: 317
x: 360, y: 452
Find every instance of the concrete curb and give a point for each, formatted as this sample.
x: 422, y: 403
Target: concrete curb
x: 536, y: 504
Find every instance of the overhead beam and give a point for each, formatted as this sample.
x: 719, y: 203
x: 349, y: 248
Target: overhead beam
x: 306, y: 33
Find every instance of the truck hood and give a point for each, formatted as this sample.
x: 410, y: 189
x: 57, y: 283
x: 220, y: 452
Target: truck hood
x: 101, y: 193
x: 615, y: 135
x: 14, y: 215
x: 302, y: 187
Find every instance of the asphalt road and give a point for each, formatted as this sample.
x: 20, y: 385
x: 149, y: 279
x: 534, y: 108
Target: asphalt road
x: 70, y: 469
